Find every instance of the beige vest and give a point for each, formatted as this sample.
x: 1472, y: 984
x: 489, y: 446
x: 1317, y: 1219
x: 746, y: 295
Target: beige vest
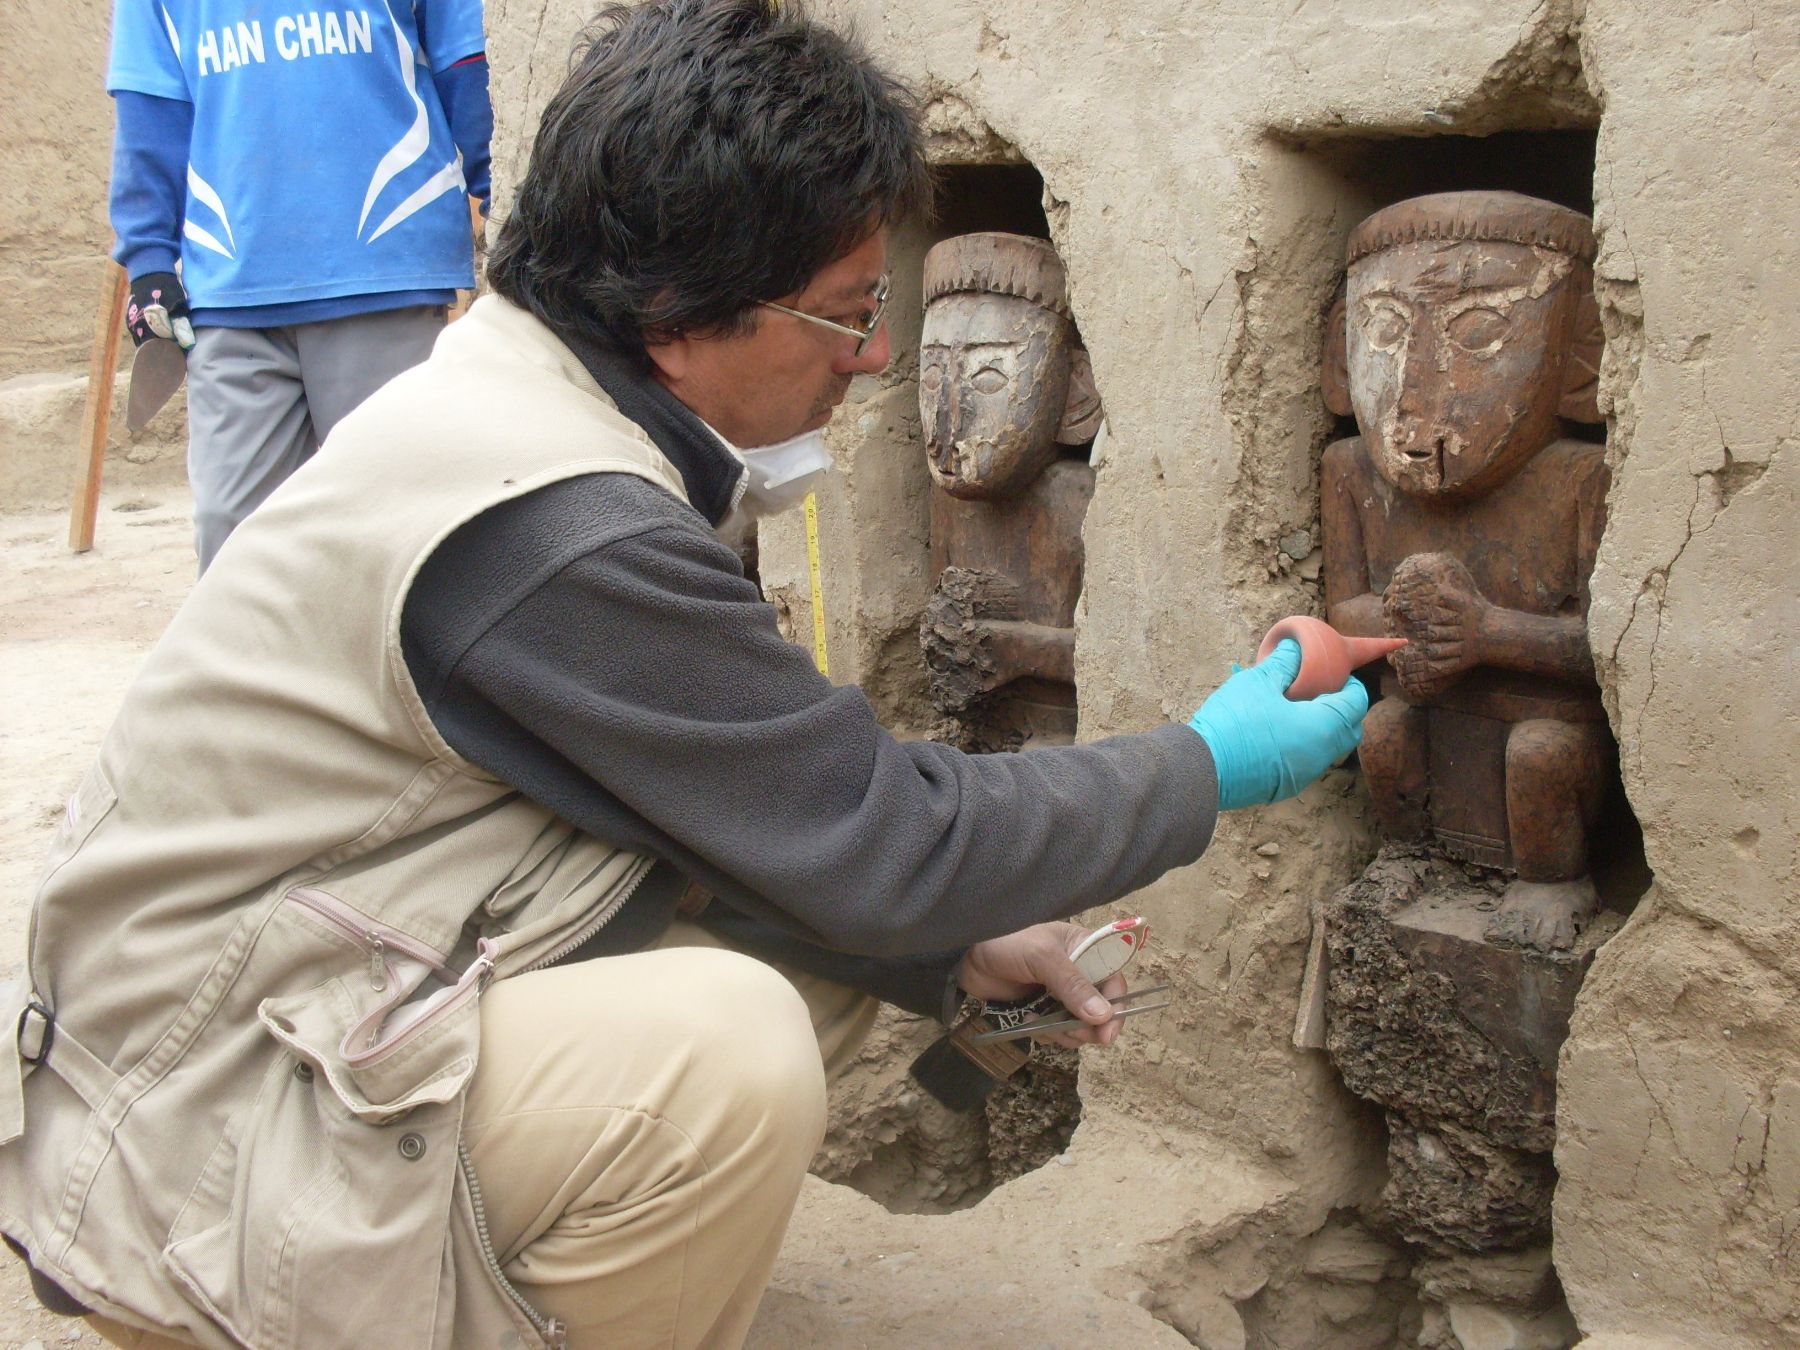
x: 269, y: 914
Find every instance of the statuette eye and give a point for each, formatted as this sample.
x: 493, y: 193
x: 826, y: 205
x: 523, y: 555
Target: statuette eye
x: 989, y: 380
x: 1479, y: 329
x: 1385, y: 323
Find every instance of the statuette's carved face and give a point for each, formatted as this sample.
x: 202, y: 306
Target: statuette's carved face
x: 993, y: 376
x: 1456, y: 353
x: 1002, y: 378
x: 1468, y: 328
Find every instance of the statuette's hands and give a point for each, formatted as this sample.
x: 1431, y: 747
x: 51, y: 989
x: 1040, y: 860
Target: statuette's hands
x: 1433, y: 603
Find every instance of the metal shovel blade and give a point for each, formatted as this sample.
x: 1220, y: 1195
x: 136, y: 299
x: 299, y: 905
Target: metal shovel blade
x: 156, y: 373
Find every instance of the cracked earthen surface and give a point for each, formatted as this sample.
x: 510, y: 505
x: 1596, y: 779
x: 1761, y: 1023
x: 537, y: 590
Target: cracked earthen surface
x: 1201, y: 166
x: 1679, y: 1143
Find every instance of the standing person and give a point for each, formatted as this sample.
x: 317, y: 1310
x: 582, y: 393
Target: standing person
x: 308, y: 170
x: 392, y: 978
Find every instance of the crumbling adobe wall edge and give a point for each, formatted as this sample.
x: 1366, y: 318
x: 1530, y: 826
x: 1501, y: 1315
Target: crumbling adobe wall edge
x: 1679, y: 1114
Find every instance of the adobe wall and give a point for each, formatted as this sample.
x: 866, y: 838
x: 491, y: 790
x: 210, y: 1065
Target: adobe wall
x: 54, y: 240
x: 1679, y: 1121
x: 1201, y: 167
x: 54, y: 236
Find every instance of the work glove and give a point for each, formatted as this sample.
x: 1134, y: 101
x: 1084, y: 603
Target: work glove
x: 1267, y: 747
x: 158, y: 308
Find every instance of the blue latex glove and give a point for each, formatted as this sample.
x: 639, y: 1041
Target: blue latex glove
x: 1266, y: 747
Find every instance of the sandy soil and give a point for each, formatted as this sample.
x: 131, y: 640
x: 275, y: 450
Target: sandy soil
x: 73, y: 630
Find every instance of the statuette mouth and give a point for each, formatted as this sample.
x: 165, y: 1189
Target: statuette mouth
x: 1424, y: 464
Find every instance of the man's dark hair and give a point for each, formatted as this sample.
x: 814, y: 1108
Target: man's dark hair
x: 703, y: 155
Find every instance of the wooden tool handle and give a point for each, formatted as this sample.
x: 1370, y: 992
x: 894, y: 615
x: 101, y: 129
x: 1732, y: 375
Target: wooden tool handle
x: 96, y: 411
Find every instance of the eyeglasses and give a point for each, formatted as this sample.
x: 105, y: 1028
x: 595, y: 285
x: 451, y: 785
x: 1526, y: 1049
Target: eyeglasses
x: 864, y: 335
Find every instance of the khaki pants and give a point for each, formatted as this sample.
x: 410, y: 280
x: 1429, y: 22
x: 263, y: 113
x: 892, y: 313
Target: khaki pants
x: 640, y: 1126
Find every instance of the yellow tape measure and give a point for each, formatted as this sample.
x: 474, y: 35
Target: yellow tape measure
x: 812, y: 545
x: 818, y: 589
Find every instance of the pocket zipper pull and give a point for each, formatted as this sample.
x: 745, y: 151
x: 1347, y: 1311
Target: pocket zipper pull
x: 377, y: 963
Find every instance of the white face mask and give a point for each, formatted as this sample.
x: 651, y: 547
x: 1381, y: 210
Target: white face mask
x: 781, y: 475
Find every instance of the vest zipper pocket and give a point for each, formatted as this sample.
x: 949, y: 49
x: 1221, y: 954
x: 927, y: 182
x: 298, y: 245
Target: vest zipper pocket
x: 375, y: 939
x: 440, y: 1006
x: 555, y: 1334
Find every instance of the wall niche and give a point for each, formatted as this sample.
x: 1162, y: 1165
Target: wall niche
x: 999, y: 457
x: 1443, y: 978
x: 1009, y: 416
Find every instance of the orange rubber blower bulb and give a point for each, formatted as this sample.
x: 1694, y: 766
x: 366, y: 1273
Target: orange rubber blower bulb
x: 1326, y: 656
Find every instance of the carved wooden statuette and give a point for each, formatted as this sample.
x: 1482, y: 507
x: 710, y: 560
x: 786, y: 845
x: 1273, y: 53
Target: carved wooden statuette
x: 1007, y: 398
x: 1463, y: 519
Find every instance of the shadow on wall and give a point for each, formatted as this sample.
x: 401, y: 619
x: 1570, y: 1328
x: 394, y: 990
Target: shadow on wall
x: 1555, y: 165
x: 977, y: 197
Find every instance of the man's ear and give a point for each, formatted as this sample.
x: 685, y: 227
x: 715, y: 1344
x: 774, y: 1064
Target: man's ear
x: 1082, y: 412
x: 1334, y: 370
x: 1581, y: 367
x: 671, y: 357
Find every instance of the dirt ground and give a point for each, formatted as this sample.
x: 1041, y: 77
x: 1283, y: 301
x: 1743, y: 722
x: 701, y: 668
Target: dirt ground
x: 1005, y: 1275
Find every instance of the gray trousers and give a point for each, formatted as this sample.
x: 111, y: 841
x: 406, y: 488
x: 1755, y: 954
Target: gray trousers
x: 260, y: 401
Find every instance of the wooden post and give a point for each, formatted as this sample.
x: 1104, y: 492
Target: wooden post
x: 96, y: 412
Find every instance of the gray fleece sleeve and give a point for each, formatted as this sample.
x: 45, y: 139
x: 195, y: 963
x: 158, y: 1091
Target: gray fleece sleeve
x: 652, y: 681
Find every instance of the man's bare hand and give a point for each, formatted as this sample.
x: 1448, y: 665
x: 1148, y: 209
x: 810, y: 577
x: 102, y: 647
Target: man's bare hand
x: 1018, y: 964
x: 1433, y: 603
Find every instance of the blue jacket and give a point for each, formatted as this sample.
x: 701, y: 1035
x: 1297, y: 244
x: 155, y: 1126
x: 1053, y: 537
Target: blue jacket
x: 301, y: 165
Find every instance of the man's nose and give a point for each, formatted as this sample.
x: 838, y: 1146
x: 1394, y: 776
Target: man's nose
x: 874, y: 358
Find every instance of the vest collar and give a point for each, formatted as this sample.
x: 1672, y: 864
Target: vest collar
x: 708, y: 470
